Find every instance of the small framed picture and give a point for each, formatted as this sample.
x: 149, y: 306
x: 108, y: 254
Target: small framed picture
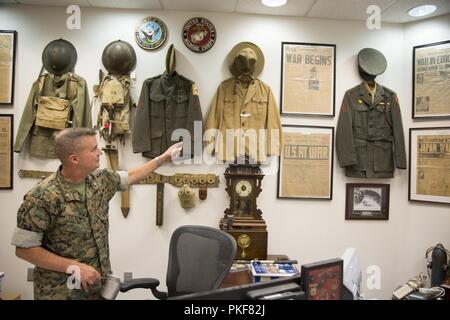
x: 7, y: 66
x: 431, y: 80
x: 429, y: 164
x: 323, y: 280
x: 367, y: 201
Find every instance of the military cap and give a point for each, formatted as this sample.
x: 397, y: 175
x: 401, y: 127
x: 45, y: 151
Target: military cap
x: 371, y: 61
x: 119, y: 58
x: 246, y: 51
x: 170, y: 60
x: 59, y: 56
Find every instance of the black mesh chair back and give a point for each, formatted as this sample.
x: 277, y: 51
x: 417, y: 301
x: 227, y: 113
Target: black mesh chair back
x: 199, y: 259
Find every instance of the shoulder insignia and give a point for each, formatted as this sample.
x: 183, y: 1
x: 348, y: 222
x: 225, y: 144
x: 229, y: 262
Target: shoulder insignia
x: 344, y: 108
x: 194, y: 89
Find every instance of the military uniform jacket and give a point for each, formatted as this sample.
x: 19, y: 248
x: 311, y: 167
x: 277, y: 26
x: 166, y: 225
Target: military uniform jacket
x: 42, y: 143
x: 242, y: 115
x: 56, y: 217
x: 369, y: 135
x: 166, y: 103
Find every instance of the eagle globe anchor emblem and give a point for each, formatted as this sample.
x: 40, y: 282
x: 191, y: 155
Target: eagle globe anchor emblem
x: 243, y: 242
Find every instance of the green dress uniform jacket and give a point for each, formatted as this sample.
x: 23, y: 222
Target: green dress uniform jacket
x: 248, y: 115
x: 42, y: 143
x: 166, y: 103
x: 58, y: 218
x: 369, y: 135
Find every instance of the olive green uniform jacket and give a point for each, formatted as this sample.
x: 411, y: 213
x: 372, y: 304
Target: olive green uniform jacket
x: 42, y: 143
x: 166, y: 103
x: 58, y: 218
x: 369, y: 136
x: 241, y: 116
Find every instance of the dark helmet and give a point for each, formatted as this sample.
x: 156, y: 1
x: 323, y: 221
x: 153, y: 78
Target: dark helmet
x: 371, y: 62
x: 119, y: 58
x: 59, y: 56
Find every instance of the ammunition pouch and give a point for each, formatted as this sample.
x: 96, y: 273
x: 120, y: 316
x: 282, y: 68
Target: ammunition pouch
x: 186, y: 196
x: 53, y: 112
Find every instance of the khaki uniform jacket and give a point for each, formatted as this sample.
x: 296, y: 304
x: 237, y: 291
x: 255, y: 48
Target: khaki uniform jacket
x: 58, y: 218
x: 165, y: 104
x: 369, y: 135
x: 245, y: 114
x: 42, y: 143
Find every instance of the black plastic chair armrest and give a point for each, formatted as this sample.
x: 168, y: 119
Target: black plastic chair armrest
x: 142, y: 283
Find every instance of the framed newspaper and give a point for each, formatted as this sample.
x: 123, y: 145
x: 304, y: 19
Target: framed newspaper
x: 308, y: 76
x: 6, y: 154
x: 367, y: 201
x: 7, y: 65
x: 431, y: 80
x: 306, y: 163
x: 429, y: 169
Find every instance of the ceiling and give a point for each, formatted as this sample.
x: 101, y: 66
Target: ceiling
x: 391, y: 10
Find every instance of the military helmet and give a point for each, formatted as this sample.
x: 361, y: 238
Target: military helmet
x: 371, y: 61
x: 59, y: 56
x: 119, y: 58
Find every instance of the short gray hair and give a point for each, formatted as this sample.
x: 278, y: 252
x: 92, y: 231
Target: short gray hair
x: 66, y: 141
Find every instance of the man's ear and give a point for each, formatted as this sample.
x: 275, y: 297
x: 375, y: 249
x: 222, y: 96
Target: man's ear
x: 73, y: 158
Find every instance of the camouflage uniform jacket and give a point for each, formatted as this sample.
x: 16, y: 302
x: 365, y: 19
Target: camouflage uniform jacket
x: 369, y: 135
x: 68, y: 86
x: 60, y: 220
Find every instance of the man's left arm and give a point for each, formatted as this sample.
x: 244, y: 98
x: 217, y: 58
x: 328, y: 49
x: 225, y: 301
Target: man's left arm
x: 141, y: 172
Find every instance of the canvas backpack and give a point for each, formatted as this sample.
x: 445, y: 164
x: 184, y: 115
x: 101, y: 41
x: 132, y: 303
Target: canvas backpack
x: 113, y: 118
x: 55, y: 112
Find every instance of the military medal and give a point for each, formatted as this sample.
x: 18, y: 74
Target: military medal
x: 151, y: 34
x: 199, y: 34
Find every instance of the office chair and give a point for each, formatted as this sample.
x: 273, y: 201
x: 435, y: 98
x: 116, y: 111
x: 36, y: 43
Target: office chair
x: 199, y: 259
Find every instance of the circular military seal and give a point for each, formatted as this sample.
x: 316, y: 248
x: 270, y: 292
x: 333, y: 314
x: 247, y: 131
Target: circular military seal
x: 199, y: 34
x: 151, y: 34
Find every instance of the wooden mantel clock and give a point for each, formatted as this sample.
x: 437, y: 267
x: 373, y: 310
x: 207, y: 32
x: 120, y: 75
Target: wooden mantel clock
x: 243, y: 220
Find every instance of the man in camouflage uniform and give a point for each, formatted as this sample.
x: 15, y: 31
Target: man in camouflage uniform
x: 62, y: 225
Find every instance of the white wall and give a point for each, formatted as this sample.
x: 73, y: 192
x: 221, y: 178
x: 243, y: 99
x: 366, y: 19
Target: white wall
x: 305, y: 230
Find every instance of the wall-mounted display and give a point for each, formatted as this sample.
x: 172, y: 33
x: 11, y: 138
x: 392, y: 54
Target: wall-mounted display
x: 431, y: 80
x: 7, y: 64
x: 308, y: 76
x: 151, y: 33
x: 6, y: 158
x: 323, y: 280
x: 306, y: 163
x: 367, y: 201
x: 199, y: 34
x: 429, y: 169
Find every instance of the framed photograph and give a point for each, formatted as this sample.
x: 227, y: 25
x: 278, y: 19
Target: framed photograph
x: 308, y: 76
x: 306, y: 163
x: 7, y: 65
x: 6, y: 154
x: 367, y: 201
x: 429, y: 164
x: 431, y: 80
x: 323, y: 280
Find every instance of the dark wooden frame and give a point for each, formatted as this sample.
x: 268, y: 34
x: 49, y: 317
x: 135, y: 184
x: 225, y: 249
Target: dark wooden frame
x: 331, y: 165
x: 413, y: 113
x: 383, y: 214
x: 10, y: 187
x: 14, y: 34
x: 410, y: 167
x: 333, y: 86
x: 306, y: 270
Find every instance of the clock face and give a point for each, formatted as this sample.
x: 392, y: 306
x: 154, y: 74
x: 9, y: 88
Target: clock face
x: 243, y: 188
